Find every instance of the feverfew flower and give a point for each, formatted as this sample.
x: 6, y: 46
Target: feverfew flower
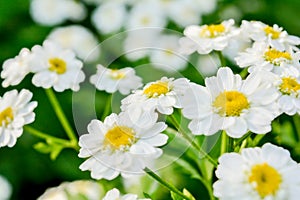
x: 166, y: 56
x: 161, y: 95
x: 15, y: 69
x: 109, y: 17
x: 72, y: 190
x: 16, y: 110
x: 231, y: 104
x: 274, y: 35
x: 206, y: 38
x: 79, y: 39
x: 56, y: 67
x: 112, y: 80
x: 263, y: 57
x: 266, y: 173
x: 114, y: 194
x: 5, y: 189
x: 122, y: 144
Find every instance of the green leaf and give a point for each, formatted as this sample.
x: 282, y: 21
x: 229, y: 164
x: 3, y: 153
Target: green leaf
x: 176, y: 196
x: 147, y: 195
x: 188, y: 194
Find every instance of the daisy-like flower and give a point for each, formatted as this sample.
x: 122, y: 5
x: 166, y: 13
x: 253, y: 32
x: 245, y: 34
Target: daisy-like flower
x: 5, y: 189
x: 166, y: 57
x: 122, y: 144
x: 266, y: 173
x: 206, y: 38
x: 112, y: 80
x: 114, y: 194
x: 56, y: 67
x: 15, y: 69
x: 162, y: 95
x: 274, y: 35
x: 79, y: 39
x: 231, y: 104
x: 109, y: 17
x: 263, y: 57
x: 16, y: 110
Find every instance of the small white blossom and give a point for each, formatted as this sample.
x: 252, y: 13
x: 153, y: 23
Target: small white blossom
x: 114, y: 194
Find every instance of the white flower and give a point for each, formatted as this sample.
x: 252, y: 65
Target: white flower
x: 56, y: 67
x: 122, y: 144
x: 206, y: 38
x: 114, y: 194
x: 161, y: 95
x: 79, y: 39
x: 208, y: 64
x: 274, y: 35
x: 72, y: 190
x: 5, y: 189
x: 205, y: 6
x: 231, y: 104
x: 15, y: 69
x: 262, y: 57
x: 109, y: 17
x: 112, y: 80
x: 52, y: 12
x: 166, y: 56
x: 266, y: 173
x: 146, y: 14
x: 16, y: 110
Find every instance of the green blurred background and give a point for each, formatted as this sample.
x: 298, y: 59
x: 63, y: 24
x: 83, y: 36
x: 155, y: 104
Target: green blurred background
x: 31, y: 172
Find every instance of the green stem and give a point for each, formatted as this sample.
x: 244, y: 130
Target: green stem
x: 166, y: 184
x: 221, y: 58
x: 223, y: 142
x: 61, y: 116
x: 107, y: 108
x: 191, y: 141
x: 44, y: 136
x: 244, y: 73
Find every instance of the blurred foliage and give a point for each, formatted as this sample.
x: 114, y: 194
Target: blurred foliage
x: 31, y: 172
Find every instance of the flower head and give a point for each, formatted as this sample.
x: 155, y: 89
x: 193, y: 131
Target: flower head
x: 114, y: 194
x: 55, y: 67
x: 16, y: 110
x: 258, y: 173
x: 122, y: 144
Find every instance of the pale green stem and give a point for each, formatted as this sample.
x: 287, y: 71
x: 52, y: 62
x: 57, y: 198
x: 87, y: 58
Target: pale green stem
x: 61, y: 116
x: 223, y: 142
x: 221, y: 58
x: 107, y: 108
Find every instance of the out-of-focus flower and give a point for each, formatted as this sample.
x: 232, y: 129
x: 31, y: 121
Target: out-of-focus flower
x: 109, y: 17
x: 73, y: 190
x: 166, y: 55
x: 206, y: 38
x: 16, y: 110
x: 162, y: 95
x: 274, y: 35
x: 79, y: 39
x: 208, y: 64
x: 55, y: 67
x: 15, y: 69
x: 258, y: 173
x: 112, y: 80
x: 53, y: 12
x: 122, y: 144
x: 231, y: 104
x: 5, y: 189
x: 114, y: 194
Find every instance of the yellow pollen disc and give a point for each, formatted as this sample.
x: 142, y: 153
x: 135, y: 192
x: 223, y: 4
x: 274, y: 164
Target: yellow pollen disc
x: 274, y: 56
x: 270, y: 31
x: 6, y: 116
x: 267, y: 179
x: 289, y: 86
x: 119, y: 136
x: 212, y: 31
x: 57, y: 65
x: 156, y: 89
x: 117, y: 74
x: 231, y: 103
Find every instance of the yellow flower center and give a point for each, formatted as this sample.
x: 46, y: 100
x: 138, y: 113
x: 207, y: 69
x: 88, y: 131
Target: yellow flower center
x: 289, y: 86
x: 117, y: 74
x: 156, y: 89
x: 119, y: 136
x: 57, y: 65
x: 231, y: 103
x: 267, y: 179
x: 270, y: 31
x: 6, y: 116
x: 275, y: 57
x: 145, y: 20
x: 212, y: 31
